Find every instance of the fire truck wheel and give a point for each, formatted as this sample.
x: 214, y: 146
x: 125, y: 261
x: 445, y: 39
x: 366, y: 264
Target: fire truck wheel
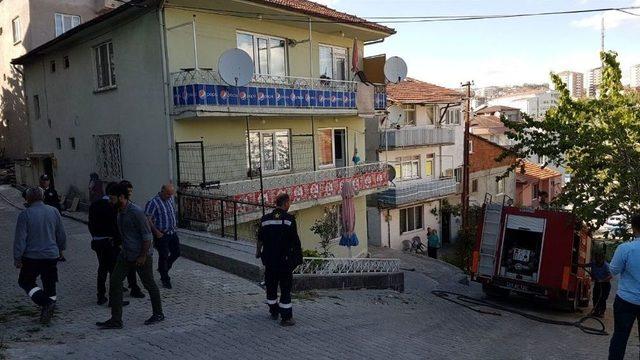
x: 495, y: 292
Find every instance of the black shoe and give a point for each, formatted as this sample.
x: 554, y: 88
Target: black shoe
x: 287, y: 322
x: 109, y: 324
x: 124, y: 303
x: 137, y: 293
x: 47, y: 313
x: 274, y: 316
x: 102, y: 300
x: 166, y: 284
x: 154, y: 319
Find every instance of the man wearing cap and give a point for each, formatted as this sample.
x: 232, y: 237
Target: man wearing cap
x: 280, y: 250
x: 38, y: 245
x: 51, y: 197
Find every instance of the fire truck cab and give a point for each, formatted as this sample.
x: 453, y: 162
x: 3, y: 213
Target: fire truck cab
x: 532, y: 252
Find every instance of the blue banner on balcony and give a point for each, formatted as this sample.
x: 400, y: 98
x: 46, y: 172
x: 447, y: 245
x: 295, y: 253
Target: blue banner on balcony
x: 223, y: 95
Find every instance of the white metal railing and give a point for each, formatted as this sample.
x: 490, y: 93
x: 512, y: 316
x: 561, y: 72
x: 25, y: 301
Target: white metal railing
x: 211, y: 77
x: 406, y: 192
x: 416, y: 135
x: 333, y: 266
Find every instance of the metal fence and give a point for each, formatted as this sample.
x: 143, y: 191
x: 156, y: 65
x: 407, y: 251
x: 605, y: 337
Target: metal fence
x: 332, y: 266
x: 417, y: 135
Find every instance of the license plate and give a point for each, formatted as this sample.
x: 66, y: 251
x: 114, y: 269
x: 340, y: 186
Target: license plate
x: 517, y: 287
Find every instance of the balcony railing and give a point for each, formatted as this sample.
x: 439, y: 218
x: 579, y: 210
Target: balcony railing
x: 380, y: 97
x: 412, y: 191
x: 416, y: 136
x: 199, y: 87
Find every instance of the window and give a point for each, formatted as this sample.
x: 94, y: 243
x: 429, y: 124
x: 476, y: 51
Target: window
x: 269, y: 54
x: 535, y: 191
x: 335, y: 213
x: 65, y: 23
x: 58, y: 143
x: 72, y: 142
x: 332, y: 149
x: 333, y: 62
x: 411, y: 219
x: 470, y: 146
x: 457, y: 173
x: 428, y: 165
x: 36, y: 106
x: 17, y: 30
x: 500, y: 185
x: 409, y: 114
x: 108, y: 157
x: 270, y: 150
x: 106, y: 76
x: 52, y: 66
x: 453, y: 116
x: 407, y: 167
x: 66, y: 62
x: 474, y: 185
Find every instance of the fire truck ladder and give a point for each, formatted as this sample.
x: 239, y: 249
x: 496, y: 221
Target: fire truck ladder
x: 490, y: 235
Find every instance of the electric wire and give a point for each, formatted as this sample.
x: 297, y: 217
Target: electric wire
x: 479, y: 305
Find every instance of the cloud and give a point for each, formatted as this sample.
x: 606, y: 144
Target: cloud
x: 612, y: 19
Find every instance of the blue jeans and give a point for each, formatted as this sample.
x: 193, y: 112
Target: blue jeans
x: 624, y: 316
x: 168, y: 247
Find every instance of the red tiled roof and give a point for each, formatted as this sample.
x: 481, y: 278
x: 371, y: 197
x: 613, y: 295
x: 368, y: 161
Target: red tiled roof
x: 412, y: 91
x: 319, y: 10
x: 495, y: 108
x: 536, y: 171
x: 491, y: 123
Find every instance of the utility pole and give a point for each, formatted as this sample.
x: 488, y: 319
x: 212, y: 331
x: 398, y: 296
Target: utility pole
x: 465, y: 162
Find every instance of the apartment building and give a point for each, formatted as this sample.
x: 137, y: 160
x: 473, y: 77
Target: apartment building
x: 486, y: 175
x: 421, y: 138
x: 595, y: 78
x: 534, y: 103
x: 24, y: 25
x: 635, y: 76
x: 161, y: 111
x: 574, y: 82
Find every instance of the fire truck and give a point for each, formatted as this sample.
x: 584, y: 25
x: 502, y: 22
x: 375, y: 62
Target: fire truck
x: 533, y: 252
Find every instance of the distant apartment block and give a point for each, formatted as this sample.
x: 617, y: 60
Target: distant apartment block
x: 635, y: 75
x: 533, y: 103
x: 574, y: 82
x: 595, y: 78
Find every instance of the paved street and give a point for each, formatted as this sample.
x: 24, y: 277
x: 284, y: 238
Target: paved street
x: 215, y: 315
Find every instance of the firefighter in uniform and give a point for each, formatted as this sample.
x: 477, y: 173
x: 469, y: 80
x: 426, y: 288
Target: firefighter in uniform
x: 51, y: 197
x: 280, y: 250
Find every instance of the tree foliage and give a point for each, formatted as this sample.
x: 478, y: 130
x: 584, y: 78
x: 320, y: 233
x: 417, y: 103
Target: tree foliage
x: 596, y: 139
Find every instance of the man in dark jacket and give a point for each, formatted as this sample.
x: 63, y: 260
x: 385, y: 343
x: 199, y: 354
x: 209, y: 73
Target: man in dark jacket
x: 280, y: 250
x: 38, y: 245
x: 51, y: 196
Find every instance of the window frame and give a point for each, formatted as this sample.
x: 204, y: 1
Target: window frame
x: 333, y: 147
x: 36, y: 106
x: 97, y: 63
x: 500, y: 183
x: 62, y: 17
x: 410, y: 109
x: 16, y: 30
x: 72, y: 143
x: 347, y: 73
x: 254, y: 43
x: 406, y: 219
x: 411, y: 160
x: 474, y: 185
x: 273, y: 133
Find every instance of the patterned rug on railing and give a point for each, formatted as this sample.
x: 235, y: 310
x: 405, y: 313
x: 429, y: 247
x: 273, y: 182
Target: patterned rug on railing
x: 222, y: 95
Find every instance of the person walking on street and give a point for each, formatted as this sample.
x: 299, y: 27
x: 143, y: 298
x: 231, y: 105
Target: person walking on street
x: 626, y: 307
x: 38, y: 245
x: 433, y: 244
x: 600, y: 273
x: 280, y: 250
x: 96, y: 191
x: 136, y: 292
x: 162, y: 218
x: 51, y: 196
x: 136, y: 253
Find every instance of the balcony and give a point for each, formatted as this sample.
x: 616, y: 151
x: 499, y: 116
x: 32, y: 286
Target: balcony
x: 305, y: 188
x: 414, y: 191
x: 416, y: 136
x: 203, y: 90
x: 380, y: 97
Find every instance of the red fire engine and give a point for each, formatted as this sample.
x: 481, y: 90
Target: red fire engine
x: 532, y: 252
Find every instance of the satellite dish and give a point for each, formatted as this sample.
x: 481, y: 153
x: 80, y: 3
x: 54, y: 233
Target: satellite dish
x: 391, y: 172
x: 235, y: 67
x: 395, y: 69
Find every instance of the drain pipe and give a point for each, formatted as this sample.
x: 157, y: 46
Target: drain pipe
x: 167, y: 84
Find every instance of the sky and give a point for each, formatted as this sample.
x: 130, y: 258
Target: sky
x: 501, y: 51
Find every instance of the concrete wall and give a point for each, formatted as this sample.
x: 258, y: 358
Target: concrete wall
x: 486, y: 180
x: 134, y: 110
x: 37, y: 20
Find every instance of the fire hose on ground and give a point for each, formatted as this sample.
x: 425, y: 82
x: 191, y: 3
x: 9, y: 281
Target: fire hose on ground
x: 477, y: 305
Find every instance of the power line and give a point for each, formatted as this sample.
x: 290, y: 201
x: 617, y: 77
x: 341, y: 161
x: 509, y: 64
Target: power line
x: 401, y: 19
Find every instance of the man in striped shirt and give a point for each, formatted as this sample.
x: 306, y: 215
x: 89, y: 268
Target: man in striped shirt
x: 162, y: 216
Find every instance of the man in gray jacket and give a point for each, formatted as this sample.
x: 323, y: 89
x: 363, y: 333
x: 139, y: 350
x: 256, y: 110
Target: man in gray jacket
x: 38, y: 245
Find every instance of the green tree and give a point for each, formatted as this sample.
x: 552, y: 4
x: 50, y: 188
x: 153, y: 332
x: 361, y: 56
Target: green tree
x: 596, y: 139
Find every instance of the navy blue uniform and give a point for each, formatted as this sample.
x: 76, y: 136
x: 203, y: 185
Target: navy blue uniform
x: 281, y: 253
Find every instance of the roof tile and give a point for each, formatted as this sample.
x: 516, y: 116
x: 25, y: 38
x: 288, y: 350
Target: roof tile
x: 417, y: 92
